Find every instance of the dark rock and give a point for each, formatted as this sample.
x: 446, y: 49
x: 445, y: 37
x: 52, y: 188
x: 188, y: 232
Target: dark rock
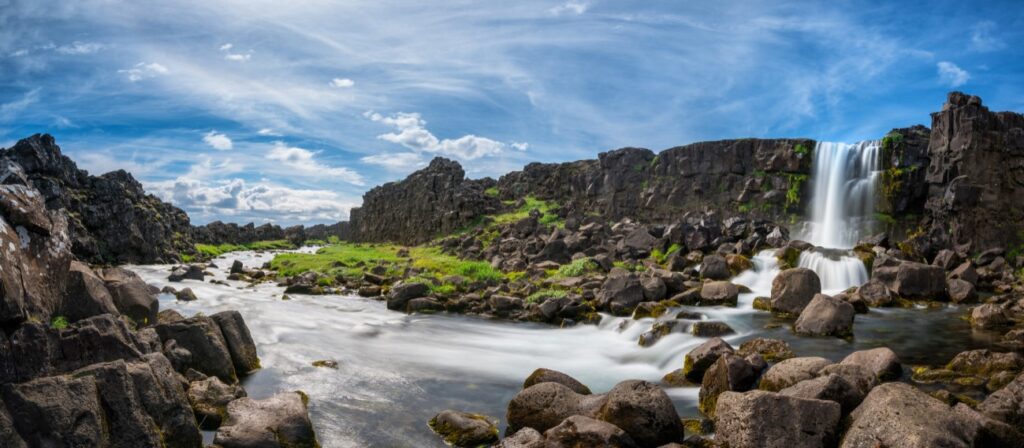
x: 402, y: 293
x: 191, y: 272
x: 462, y: 429
x: 279, y: 421
x: 826, y: 316
x: 57, y: 411
x: 186, y: 295
x: 729, y: 373
x: 238, y: 340
x: 210, y: 398
x: 644, y: 411
x: 544, y: 405
x: 161, y: 394
x: 202, y: 337
x: 989, y: 316
x: 793, y: 289
x: 986, y: 362
x: 772, y: 420
x: 654, y: 288
x: 791, y: 371
x: 830, y: 387
x: 875, y: 293
x: 524, y: 438
x: 859, y: 376
x: 714, y: 267
x: 424, y: 305
x: 553, y: 376
x: 1006, y: 404
x: 698, y: 360
x: 721, y: 293
x: 620, y: 293
x: 772, y: 350
x: 581, y: 431
x: 965, y: 272
x: 131, y: 295
x: 961, y: 291
x: 710, y: 329
x: 237, y: 267
x: 912, y: 280
x: 86, y: 295
x: 882, y: 362
x: 129, y: 425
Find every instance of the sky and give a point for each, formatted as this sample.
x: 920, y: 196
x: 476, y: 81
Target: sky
x: 288, y: 111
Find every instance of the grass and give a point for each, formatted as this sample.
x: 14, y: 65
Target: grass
x: 529, y: 203
x: 492, y: 192
x: 885, y: 218
x: 577, y: 268
x: 793, y: 193
x: 212, y: 250
x: 800, y: 148
x: 350, y: 260
x: 658, y: 256
x: 544, y: 294
x: 59, y: 322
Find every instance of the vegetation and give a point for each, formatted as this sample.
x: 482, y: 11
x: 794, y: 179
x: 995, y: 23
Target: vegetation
x: 801, y: 149
x: 350, y: 260
x: 492, y: 192
x: 544, y: 294
x: 796, y: 181
x: 746, y: 207
x: 529, y: 203
x: 577, y: 268
x: 212, y: 251
x: 659, y: 257
x: 59, y: 322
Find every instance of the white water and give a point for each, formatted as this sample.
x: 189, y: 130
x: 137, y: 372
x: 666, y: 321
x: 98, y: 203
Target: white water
x: 842, y: 207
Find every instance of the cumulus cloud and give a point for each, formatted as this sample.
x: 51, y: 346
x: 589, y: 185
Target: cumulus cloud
x: 143, y: 70
x: 218, y: 141
x: 342, y: 82
x: 236, y: 199
x: 304, y: 162
x: 403, y: 161
x: 570, y: 7
x: 412, y: 133
x: 951, y: 75
x: 79, y: 48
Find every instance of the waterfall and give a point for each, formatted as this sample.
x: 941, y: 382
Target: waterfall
x: 841, y: 210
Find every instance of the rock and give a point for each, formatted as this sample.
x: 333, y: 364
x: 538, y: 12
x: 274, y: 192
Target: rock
x: 239, y: 341
x: 9, y: 436
x: 424, y: 305
x: 698, y: 360
x: 131, y: 295
x: 85, y: 295
x: 186, y: 295
x: 714, y: 267
x: 989, y: 315
x: 654, y: 288
x: 772, y: 420
x: 202, y: 337
x: 505, y: 305
x: 620, y: 293
x: 773, y: 350
x: 580, y: 431
x: 859, y: 376
x: 965, y: 272
x: 1006, y: 404
x: 830, y: 387
x: 791, y: 371
x: 912, y: 280
x: 729, y: 373
x: 960, y: 291
x: 209, y: 399
x: 710, y: 329
x: 524, y: 438
x: 553, y: 376
x: 325, y: 363
x: 826, y: 316
x: 875, y: 293
x: 160, y: 393
x: 659, y: 330
x: 986, y: 362
x: 882, y: 362
x: 402, y: 293
x: 129, y: 425
x: 946, y: 259
x: 279, y: 421
x: 237, y: 267
x: 793, y: 289
x: 191, y: 272
x: 544, y: 405
x: 897, y: 414
x: 644, y: 411
x: 57, y: 411
x: 721, y: 293
x: 462, y: 429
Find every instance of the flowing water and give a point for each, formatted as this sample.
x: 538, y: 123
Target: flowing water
x: 396, y: 370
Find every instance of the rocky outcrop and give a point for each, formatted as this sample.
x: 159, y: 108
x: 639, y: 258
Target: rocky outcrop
x: 218, y: 232
x: 431, y: 202
x: 110, y: 217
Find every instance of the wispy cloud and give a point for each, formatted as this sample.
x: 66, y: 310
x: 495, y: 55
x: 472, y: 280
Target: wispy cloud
x: 79, y: 48
x: 238, y: 200
x: 984, y: 39
x: 217, y: 141
x: 570, y: 7
x: 342, y: 82
x: 951, y: 75
x: 304, y: 162
x: 143, y: 70
x: 237, y: 57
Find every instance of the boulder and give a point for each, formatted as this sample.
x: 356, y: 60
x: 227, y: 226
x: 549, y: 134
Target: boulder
x: 714, y: 267
x: 57, y: 411
x: 698, y: 360
x: 986, y: 362
x: 239, y: 342
x: 965, y: 272
x: 279, y: 421
x: 620, y: 293
x: 710, y: 329
x: 644, y: 411
x: 462, y: 429
x: 553, y: 376
x: 961, y: 291
x: 424, y: 305
x: 544, y: 405
x: 160, y: 392
x: 9, y: 436
x: 191, y: 272
x: 654, y: 288
x: 881, y: 361
x: 580, y: 431
x: 209, y: 399
x: 719, y: 293
x: 237, y: 267
x: 875, y: 293
x: 402, y: 293
x: 524, y: 438
x: 85, y: 295
x: 131, y: 295
x: 772, y: 350
x: 128, y: 422
x: 829, y: 387
x: 826, y: 316
x: 186, y: 295
x: 202, y: 338
x: 772, y: 420
x: 1006, y: 404
x: 988, y: 316
x: 729, y: 373
x: 859, y: 376
x: 912, y: 280
x: 793, y: 289
x: 791, y: 371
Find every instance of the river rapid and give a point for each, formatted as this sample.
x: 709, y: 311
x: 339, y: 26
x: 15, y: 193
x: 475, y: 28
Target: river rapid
x: 395, y: 371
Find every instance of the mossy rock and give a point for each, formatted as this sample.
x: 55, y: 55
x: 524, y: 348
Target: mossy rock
x: 700, y: 426
x: 763, y: 303
x: 923, y: 374
x: 463, y: 429
x: 677, y: 378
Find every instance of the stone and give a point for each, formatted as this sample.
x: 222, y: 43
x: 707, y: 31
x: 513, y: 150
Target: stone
x: 186, y: 295
x: 237, y: 267
x: 720, y: 293
x: 620, y: 293
x: 773, y: 420
x: 912, y: 280
x: 129, y: 425
x: 698, y: 360
x: 553, y: 376
x: 791, y: 371
x: 524, y: 438
x: 875, y: 293
x: 462, y: 429
x: 988, y: 316
x: 202, y: 338
x: 86, y: 295
x: 1006, y: 404
x: 986, y: 362
x: 279, y: 421
x: 829, y: 387
x: 714, y: 267
x: 581, y: 431
x: 424, y: 305
x: 402, y: 293
x: 710, y: 329
x: 160, y: 392
x: 209, y: 399
x: 881, y: 361
x: 57, y: 411
x: 644, y: 411
x: 859, y: 376
x: 239, y: 342
x: 544, y: 405
x: 654, y: 288
x: 826, y: 316
x: 965, y: 272
x: 961, y: 291
x: 793, y: 289
x: 729, y: 373
x: 773, y: 350
x: 131, y: 295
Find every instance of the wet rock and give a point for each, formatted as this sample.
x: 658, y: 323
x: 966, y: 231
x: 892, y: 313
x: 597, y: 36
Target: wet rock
x: 986, y: 362
x: 128, y: 422
x: 698, y: 360
x: 875, y: 293
x: 402, y: 293
x: 772, y: 350
x: 988, y: 316
x: 710, y: 329
x: 829, y: 387
x: 729, y: 373
x: 524, y: 438
x: 772, y: 420
x: 660, y: 330
x: 237, y: 267
x: 86, y: 295
x: 553, y: 376
x: 160, y: 392
x: 191, y: 272
x: 544, y: 405
x: 654, y: 288
x: 326, y: 363
x: 792, y: 371
x: 424, y: 305
x: 57, y: 411
x: 580, y: 431
x: 239, y: 341
x: 462, y: 429
x: 644, y: 411
x: 793, y: 289
x: 960, y: 291
x: 209, y: 399
x: 620, y: 293
x: 369, y: 291
x: 882, y: 362
x: 714, y: 267
x: 721, y: 293
x: 186, y: 295
x: 912, y: 280
x: 1006, y: 404
x: 202, y: 338
x: 131, y: 295
x: 826, y: 316
x: 279, y: 421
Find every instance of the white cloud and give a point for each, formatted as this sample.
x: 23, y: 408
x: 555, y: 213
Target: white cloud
x: 226, y: 47
x: 412, y: 133
x: 342, y: 82
x: 19, y: 53
x: 305, y: 163
x: 143, y: 70
x: 403, y: 161
x: 519, y: 146
x: 951, y: 75
x: 983, y: 38
x: 217, y: 141
x: 570, y: 7
x: 269, y: 132
x: 235, y: 199
x: 237, y: 57
x: 79, y: 48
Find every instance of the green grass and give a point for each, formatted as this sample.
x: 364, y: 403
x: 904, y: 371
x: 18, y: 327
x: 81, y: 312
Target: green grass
x: 885, y: 218
x: 544, y: 294
x: 212, y: 251
x: 59, y: 322
x: 800, y: 148
x: 492, y: 192
x: 658, y: 256
x: 350, y: 260
x: 638, y: 267
x: 577, y: 268
x: 529, y: 204
x: 746, y: 207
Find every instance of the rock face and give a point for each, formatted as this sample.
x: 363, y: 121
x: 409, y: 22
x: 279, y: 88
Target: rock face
x: 433, y: 201
x: 279, y: 421
x: 111, y: 218
x: 767, y: 419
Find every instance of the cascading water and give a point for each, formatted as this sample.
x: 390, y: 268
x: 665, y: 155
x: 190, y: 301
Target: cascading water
x: 842, y: 205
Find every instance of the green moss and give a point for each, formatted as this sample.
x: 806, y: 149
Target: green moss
x: 491, y: 192
x: 529, y: 203
x: 746, y: 207
x: 801, y: 149
x: 59, y: 322
x: 577, y: 268
x: 659, y: 256
x: 544, y: 294
x: 796, y: 182
x: 455, y: 437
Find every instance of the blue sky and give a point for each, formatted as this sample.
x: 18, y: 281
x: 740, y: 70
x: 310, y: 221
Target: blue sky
x: 288, y: 111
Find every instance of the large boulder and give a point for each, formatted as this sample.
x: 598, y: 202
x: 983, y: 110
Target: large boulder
x: 544, y: 405
x: 9, y: 436
x: 644, y: 411
x: 912, y: 280
x: 279, y: 421
x: 462, y: 429
x: 580, y: 431
x: 698, y: 360
x: 201, y: 336
x: 57, y: 411
x: 209, y: 399
x: 553, y: 376
x: 772, y: 420
x: 1006, y: 404
x: 714, y: 267
x: 239, y: 341
x: 719, y: 293
x: 128, y: 421
x: 620, y: 293
x: 160, y: 392
x: 131, y: 294
x: 829, y: 387
x: 85, y: 295
x: 826, y: 316
x: 881, y: 361
x: 989, y: 316
x: 875, y: 293
x: 772, y: 350
x: 402, y: 293
x: 793, y: 289
x: 791, y: 371
x: 730, y: 373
